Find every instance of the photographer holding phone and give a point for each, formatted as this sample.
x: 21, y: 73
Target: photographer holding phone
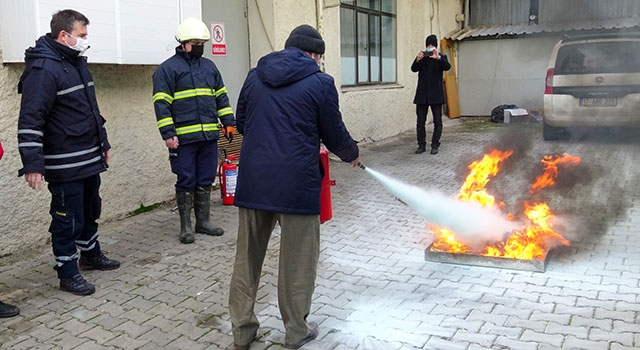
x: 429, y: 64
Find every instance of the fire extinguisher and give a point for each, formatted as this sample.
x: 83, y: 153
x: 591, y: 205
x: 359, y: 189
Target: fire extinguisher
x: 227, y: 176
x: 326, y: 207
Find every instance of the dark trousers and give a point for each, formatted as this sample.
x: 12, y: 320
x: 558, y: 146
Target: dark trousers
x: 75, y: 207
x: 421, y: 112
x: 195, y: 164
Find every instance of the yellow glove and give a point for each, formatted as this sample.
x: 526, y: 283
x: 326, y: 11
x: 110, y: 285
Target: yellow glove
x: 228, y: 132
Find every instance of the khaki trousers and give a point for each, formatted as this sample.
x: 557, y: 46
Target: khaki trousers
x: 298, y: 262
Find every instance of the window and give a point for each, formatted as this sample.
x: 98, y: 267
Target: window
x: 368, y: 42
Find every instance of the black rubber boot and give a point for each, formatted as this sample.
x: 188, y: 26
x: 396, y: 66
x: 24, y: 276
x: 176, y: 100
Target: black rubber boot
x: 203, y: 210
x: 77, y: 285
x: 7, y: 310
x: 97, y: 262
x: 185, y: 202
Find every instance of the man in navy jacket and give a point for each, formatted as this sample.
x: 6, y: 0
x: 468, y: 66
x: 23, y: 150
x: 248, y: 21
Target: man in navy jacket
x: 286, y: 107
x: 61, y: 137
x: 190, y: 98
x: 430, y: 65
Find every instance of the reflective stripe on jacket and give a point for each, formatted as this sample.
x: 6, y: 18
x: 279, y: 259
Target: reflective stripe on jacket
x: 189, y: 98
x: 61, y: 133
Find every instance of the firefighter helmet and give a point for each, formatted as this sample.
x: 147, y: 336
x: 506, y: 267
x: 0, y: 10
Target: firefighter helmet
x: 192, y: 29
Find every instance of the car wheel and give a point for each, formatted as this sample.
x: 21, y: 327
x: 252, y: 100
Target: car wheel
x: 551, y: 133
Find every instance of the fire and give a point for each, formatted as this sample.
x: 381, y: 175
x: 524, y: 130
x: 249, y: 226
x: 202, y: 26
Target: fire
x: 473, y: 188
x: 528, y: 243
x: 550, y: 166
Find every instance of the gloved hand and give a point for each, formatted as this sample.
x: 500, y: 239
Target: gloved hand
x: 228, y: 132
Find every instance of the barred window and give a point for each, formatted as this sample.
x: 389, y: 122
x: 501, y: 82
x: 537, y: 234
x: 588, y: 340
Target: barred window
x: 368, y: 42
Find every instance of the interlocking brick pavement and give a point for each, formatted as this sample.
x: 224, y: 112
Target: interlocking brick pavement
x: 374, y: 288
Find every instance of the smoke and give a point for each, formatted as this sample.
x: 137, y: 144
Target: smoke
x: 472, y: 224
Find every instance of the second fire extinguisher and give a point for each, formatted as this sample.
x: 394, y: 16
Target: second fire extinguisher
x: 227, y: 176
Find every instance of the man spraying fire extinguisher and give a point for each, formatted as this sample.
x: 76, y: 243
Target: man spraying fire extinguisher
x: 189, y: 99
x: 286, y: 108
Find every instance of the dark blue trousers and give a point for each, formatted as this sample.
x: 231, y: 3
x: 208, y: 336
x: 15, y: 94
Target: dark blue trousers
x: 75, y: 207
x: 195, y: 164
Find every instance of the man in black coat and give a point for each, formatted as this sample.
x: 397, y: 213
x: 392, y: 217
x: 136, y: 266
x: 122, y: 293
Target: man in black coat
x: 430, y: 65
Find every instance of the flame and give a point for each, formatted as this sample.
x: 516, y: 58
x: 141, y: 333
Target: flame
x: 530, y: 242
x: 473, y: 188
x: 550, y: 165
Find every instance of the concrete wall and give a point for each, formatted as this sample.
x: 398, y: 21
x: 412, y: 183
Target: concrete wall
x: 503, y: 71
x: 139, y: 170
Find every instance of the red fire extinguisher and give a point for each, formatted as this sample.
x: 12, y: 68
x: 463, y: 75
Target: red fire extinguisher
x: 227, y: 176
x: 326, y: 208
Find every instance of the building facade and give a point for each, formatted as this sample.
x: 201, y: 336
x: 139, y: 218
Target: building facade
x: 369, y: 60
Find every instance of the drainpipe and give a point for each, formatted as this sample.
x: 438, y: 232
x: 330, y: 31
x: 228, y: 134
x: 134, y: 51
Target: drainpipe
x: 465, y: 24
x: 319, y: 16
x: 320, y: 26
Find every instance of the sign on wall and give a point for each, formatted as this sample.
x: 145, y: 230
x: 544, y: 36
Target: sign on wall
x: 218, y: 39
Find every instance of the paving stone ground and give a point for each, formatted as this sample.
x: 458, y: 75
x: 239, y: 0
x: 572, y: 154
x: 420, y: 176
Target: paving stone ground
x: 374, y: 288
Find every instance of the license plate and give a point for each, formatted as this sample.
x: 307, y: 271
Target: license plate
x: 598, y: 102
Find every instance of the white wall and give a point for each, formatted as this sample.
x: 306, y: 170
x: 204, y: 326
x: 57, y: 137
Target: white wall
x: 121, y: 31
x: 502, y: 71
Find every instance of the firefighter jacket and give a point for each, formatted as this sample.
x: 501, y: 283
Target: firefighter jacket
x: 430, y: 89
x: 286, y: 107
x: 189, y: 97
x: 61, y: 133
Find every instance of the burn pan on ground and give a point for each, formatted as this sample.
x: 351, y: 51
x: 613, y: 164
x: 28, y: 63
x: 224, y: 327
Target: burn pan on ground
x: 487, y: 261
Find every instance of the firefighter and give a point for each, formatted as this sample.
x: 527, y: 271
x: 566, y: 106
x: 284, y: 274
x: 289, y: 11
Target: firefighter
x: 190, y: 99
x: 62, y: 139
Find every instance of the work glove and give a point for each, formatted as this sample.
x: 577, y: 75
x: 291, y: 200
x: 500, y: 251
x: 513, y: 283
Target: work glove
x: 228, y: 132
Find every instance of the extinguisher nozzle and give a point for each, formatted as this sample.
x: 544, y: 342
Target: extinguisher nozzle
x: 361, y: 166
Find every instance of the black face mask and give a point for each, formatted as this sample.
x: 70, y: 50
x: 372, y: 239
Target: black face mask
x: 196, y: 51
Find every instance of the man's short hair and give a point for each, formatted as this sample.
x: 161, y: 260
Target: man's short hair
x: 66, y: 20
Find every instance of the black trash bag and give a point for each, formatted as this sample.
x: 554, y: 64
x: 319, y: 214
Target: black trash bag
x: 497, y: 114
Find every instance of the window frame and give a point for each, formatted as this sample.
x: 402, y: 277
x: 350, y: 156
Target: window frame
x: 378, y: 15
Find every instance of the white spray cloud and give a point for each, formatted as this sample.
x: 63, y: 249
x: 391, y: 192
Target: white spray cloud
x: 473, y: 224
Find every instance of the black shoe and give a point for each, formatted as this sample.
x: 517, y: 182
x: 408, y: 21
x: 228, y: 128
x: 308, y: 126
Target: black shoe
x: 98, y: 262
x: 420, y: 149
x: 311, y: 335
x: 77, y: 285
x: 7, y: 310
x: 434, y: 151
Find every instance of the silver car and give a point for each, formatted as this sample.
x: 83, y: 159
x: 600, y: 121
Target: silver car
x: 592, y: 80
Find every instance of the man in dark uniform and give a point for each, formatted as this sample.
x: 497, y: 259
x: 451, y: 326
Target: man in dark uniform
x: 190, y: 98
x: 61, y: 137
x: 430, y: 65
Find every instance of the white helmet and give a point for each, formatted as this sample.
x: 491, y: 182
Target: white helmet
x: 192, y: 29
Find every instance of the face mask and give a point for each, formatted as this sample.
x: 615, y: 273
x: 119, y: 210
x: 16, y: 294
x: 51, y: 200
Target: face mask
x: 196, y: 51
x: 81, y: 45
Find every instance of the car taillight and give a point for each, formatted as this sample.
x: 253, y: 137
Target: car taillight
x: 548, y: 88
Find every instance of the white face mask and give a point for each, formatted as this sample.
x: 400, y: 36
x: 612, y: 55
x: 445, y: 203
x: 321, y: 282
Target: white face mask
x: 81, y: 45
